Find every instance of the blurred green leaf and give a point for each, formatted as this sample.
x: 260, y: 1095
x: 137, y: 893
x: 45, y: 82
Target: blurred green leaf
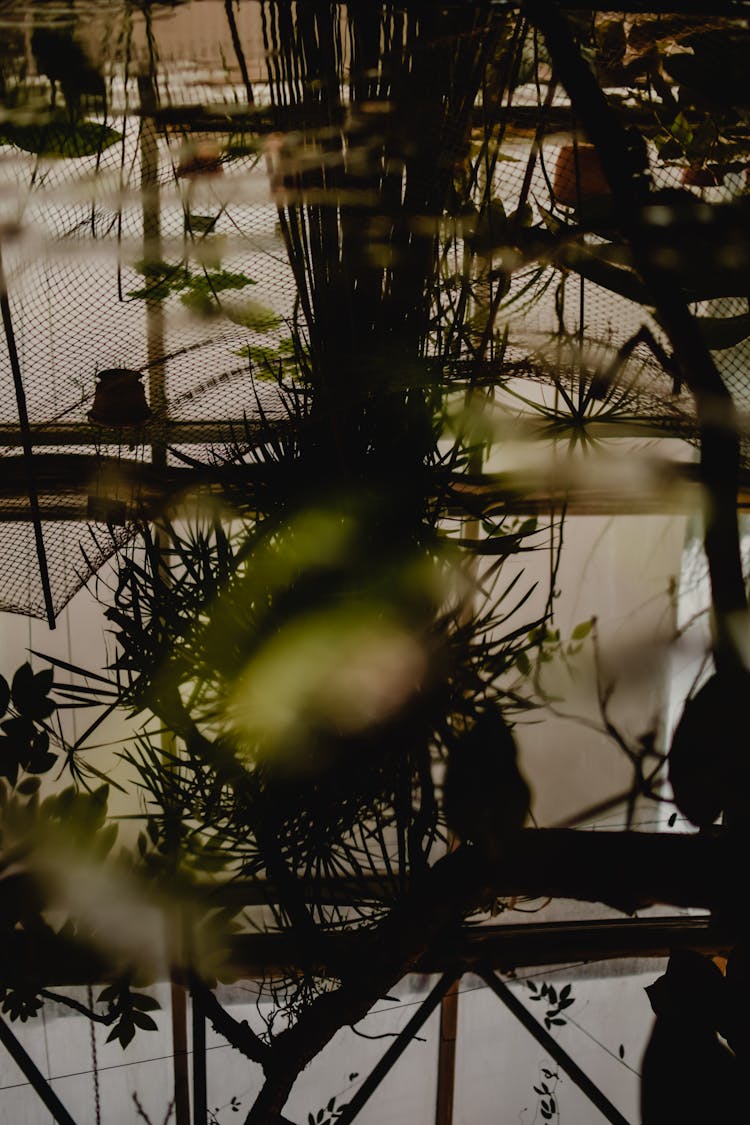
x: 59, y: 138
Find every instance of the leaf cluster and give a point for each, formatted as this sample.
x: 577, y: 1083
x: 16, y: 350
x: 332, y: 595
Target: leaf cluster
x: 128, y: 1011
x: 327, y: 1114
x: 199, y: 291
x: 556, y: 1002
x: 59, y: 137
x: 25, y: 739
x: 33, y: 833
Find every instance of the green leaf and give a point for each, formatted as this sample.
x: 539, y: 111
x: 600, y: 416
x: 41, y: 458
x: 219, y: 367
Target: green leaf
x: 253, y: 315
x: 59, y: 138
x: 582, y: 630
x: 200, y: 224
x: 680, y: 130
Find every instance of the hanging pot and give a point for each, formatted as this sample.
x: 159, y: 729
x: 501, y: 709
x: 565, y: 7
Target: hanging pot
x: 119, y: 399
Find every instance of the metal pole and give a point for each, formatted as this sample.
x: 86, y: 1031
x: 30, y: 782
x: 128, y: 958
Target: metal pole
x: 150, y: 203
x: 200, y: 1097
x: 446, y: 1077
x: 553, y: 1049
x: 23, y: 420
x: 180, y: 1055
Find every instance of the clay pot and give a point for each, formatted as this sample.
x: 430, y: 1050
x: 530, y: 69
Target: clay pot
x: 579, y: 175
x: 119, y: 399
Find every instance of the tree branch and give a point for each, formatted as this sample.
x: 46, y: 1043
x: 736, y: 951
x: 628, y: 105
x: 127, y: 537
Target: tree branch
x: 627, y: 870
x: 238, y: 1034
x: 77, y: 1006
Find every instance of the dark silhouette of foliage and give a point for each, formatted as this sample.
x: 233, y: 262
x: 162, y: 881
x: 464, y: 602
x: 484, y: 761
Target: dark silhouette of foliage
x: 327, y: 655
x: 687, y: 1073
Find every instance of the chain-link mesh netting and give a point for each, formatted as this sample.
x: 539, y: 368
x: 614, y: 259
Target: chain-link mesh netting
x: 151, y: 166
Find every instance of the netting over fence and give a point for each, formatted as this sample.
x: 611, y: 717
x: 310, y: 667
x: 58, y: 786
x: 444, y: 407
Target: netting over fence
x: 153, y: 168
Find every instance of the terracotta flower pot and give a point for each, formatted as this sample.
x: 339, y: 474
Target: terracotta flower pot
x: 119, y: 399
x: 579, y: 175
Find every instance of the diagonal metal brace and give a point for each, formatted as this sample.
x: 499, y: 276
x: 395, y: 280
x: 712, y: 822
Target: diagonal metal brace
x: 397, y: 1048
x: 553, y: 1048
x: 34, y: 1075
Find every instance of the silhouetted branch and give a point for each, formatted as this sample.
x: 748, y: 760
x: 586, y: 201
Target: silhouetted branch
x: 626, y: 870
x: 70, y: 1002
x: 238, y: 1034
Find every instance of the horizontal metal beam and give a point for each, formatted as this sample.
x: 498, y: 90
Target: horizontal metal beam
x: 189, y: 432
x: 80, y: 487
x: 505, y: 948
